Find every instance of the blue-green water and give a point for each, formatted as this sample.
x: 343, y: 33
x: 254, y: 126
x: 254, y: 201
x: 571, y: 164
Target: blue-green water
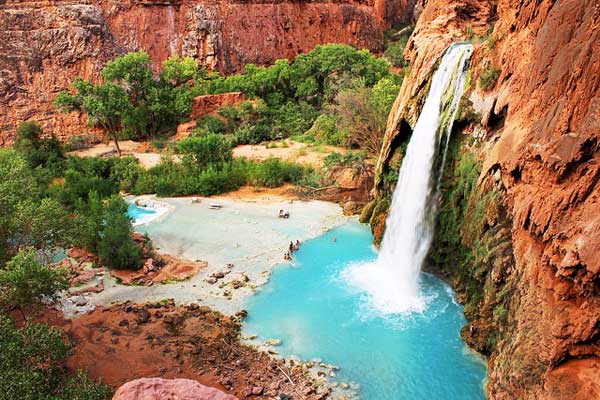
x: 140, y: 215
x: 317, y: 314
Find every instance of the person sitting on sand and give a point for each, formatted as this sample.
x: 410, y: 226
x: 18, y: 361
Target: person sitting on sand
x: 287, y: 256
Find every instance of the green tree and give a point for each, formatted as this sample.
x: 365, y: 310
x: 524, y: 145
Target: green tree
x: 89, y: 223
x: 24, y: 281
x: 206, y: 150
x: 116, y: 249
x: 106, y: 105
x: 33, y: 366
x: 27, y: 219
x: 38, y: 151
x: 363, y: 112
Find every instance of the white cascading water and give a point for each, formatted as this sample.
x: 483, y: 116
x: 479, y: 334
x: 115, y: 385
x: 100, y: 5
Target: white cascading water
x: 392, y: 283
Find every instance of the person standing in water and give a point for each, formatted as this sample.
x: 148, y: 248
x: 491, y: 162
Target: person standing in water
x: 334, y: 239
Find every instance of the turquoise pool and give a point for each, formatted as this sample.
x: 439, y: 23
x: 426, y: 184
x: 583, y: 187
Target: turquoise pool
x: 317, y: 314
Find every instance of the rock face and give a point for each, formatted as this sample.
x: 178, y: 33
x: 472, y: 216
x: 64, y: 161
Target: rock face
x: 158, y: 388
x: 45, y: 44
x: 539, y: 134
x: 210, y: 103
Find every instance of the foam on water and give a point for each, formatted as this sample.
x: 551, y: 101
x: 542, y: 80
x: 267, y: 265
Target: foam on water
x: 144, y: 214
x: 392, y: 283
x: 317, y: 314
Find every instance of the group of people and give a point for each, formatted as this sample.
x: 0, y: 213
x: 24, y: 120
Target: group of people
x: 292, y: 247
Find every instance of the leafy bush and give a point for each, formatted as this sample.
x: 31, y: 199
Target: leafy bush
x: 25, y: 281
x: 32, y: 366
x: 354, y: 159
x: 324, y: 130
x: 116, y: 249
x: 38, y: 151
x: 200, y: 152
x: 210, y: 124
x: 274, y: 172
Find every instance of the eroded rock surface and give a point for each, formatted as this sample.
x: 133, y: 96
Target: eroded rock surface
x: 45, y: 44
x: 158, y: 388
x: 539, y: 132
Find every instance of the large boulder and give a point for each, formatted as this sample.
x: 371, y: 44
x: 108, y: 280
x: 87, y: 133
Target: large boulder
x: 169, y: 389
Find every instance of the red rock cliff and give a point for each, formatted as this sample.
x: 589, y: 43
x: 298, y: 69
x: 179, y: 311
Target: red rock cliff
x: 46, y: 43
x: 540, y: 132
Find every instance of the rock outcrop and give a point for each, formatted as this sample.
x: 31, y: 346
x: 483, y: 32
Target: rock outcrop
x: 536, y: 124
x: 158, y: 388
x: 45, y: 44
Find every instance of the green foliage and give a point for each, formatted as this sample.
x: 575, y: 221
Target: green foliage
x: 325, y: 130
x: 273, y: 173
x: 199, y: 152
x: 26, y: 218
x: 362, y: 112
x: 367, y: 212
x: 131, y: 100
x: 38, y: 151
x: 489, y: 77
x: 117, y: 250
x: 353, y: 159
x: 210, y: 124
x: 89, y: 219
x: 394, y: 53
x: 32, y: 366
x: 24, y: 281
x: 82, y: 176
x: 469, y: 32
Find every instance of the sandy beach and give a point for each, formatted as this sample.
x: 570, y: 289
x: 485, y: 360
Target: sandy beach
x: 245, y: 233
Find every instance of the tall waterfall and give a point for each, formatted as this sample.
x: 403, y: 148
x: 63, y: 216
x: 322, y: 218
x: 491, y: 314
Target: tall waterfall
x: 393, y: 282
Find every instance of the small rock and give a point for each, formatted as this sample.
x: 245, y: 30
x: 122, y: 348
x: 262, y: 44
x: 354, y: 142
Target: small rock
x: 272, y: 342
x: 143, y: 315
x: 211, y: 280
x: 257, y: 390
x: 218, y: 275
x: 124, y: 322
x: 79, y: 300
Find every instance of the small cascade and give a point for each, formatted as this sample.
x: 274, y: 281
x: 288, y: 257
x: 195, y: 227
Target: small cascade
x: 392, y: 284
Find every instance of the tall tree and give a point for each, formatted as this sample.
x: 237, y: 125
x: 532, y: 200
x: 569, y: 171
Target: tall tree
x: 106, y: 105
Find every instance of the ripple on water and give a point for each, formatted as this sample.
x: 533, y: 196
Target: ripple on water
x: 318, y: 313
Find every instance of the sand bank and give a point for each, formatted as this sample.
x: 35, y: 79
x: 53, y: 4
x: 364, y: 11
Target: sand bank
x: 248, y: 235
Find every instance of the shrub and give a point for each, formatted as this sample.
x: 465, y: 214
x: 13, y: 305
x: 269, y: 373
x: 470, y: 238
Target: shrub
x: 200, y: 152
x: 38, y: 151
x: 325, y: 130
x: 116, y: 249
x: 489, y: 77
x: 394, y: 53
x: 274, y: 172
x: 32, y: 366
x: 25, y: 281
x: 210, y: 124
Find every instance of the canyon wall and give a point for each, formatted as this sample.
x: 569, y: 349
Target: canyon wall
x: 532, y: 293
x: 45, y: 44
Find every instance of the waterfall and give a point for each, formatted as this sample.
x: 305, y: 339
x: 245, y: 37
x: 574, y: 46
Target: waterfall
x: 392, y: 283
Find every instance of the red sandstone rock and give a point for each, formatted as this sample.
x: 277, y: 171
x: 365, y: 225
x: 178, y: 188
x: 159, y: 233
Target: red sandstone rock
x: 543, y: 119
x: 46, y: 44
x: 164, y: 389
x: 211, y: 103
